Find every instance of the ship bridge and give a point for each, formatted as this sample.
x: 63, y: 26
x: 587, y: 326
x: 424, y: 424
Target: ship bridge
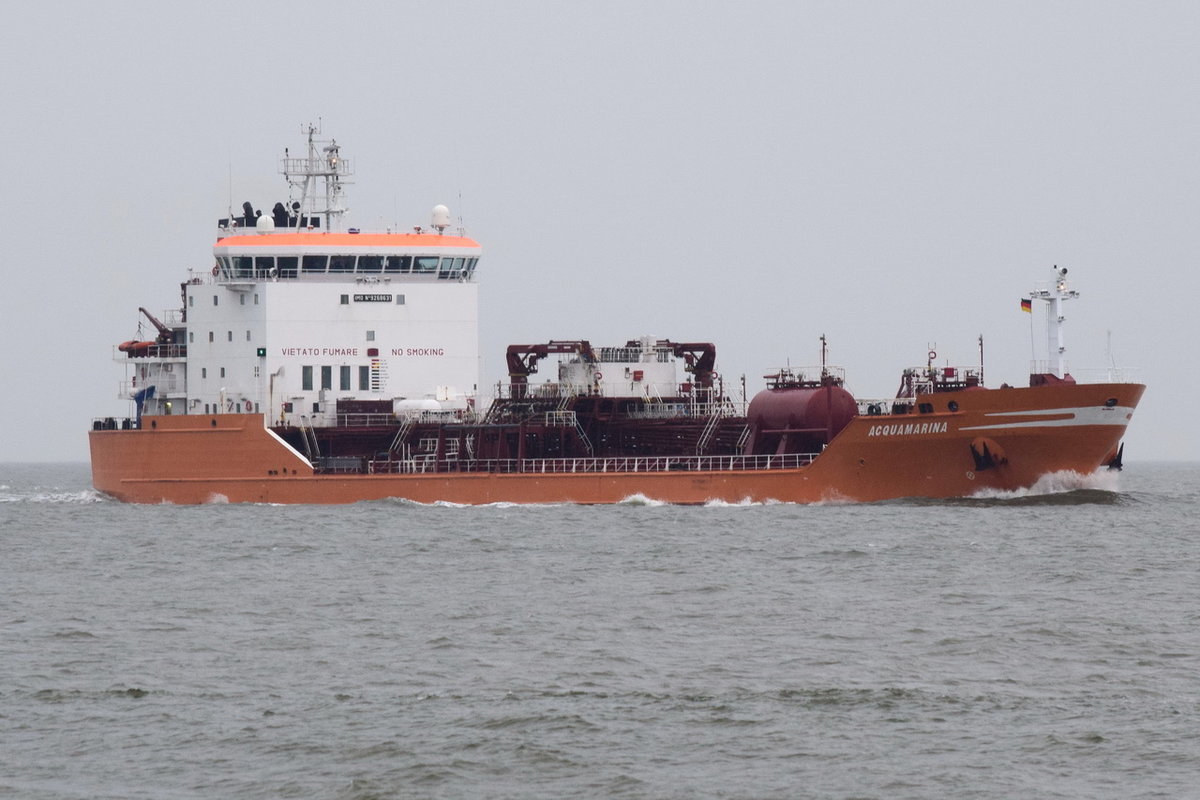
x: 363, y: 257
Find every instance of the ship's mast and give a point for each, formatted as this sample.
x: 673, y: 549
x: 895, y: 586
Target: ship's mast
x: 302, y: 173
x: 1056, y: 349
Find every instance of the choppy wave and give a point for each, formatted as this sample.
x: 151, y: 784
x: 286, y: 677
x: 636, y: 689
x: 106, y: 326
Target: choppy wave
x: 642, y: 500
x: 500, y: 504
x: 51, y: 496
x: 745, y: 502
x: 632, y: 501
x: 864, y: 650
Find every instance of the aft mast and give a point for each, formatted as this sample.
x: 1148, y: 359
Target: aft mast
x: 302, y: 174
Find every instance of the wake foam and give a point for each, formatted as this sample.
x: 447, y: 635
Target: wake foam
x: 745, y: 502
x: 642, y: 500
x: 1054, y: 483
x: 52, y: 498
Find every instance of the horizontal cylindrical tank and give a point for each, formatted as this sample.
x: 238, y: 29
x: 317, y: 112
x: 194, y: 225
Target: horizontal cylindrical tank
x: 797, y: 419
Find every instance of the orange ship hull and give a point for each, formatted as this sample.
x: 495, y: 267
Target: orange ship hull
x: 1000, y: 439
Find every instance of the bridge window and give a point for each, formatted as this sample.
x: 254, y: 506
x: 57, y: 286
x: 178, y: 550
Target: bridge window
x: 470, y: 269
x: 370, y: 263
x: 399, y: 264
x: 341, y: 263
x: 314, y: 263
x: 243, y: 266
x: 287, y: 266
x: 263, y: 266
x: 425, y: 264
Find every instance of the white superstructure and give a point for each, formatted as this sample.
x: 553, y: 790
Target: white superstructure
x: 295, y: 318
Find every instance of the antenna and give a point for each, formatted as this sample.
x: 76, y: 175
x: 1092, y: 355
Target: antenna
x: 1112, y: 362
x: 1032, y: 348
x: 981, y: 359
x: 462, y: 228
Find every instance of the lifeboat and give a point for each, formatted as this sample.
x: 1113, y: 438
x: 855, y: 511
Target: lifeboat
x: 136, y: 349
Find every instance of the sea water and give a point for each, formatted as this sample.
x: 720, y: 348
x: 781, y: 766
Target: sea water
x: 1042, y: 644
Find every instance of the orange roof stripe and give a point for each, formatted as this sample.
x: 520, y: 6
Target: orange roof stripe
x: 327, y: 240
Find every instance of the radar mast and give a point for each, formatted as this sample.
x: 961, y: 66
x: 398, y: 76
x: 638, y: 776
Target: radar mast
x: 1054, y: 320
x: 324, y: 163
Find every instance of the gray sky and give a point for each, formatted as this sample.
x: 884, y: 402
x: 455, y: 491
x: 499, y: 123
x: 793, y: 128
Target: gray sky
x: 892, y: 175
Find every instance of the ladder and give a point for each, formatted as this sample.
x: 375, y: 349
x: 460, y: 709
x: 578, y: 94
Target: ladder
x: 406, y: 426
x: 311, y: 448
x: 741, y: 442
x: 583, y: 437
x: 569, y: 419
x: 714, y: 422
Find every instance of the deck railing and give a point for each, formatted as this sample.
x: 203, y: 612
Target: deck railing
x: 365, y: 420
x: 559, y: 466
x: 154, y: 352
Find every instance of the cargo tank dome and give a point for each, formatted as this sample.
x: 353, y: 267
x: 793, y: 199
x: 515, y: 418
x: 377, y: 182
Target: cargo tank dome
x: 797, y: 419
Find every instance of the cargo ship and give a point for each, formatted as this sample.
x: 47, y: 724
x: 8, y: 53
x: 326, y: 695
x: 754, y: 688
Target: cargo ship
x: 319, y: 363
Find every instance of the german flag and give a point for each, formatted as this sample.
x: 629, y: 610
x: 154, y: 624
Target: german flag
x: 1027, y: 306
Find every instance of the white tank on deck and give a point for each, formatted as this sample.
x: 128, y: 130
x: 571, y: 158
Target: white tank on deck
x: 415, y: 406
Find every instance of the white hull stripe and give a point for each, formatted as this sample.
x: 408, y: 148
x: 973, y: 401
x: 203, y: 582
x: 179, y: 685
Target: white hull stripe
x: 1067, y: 418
